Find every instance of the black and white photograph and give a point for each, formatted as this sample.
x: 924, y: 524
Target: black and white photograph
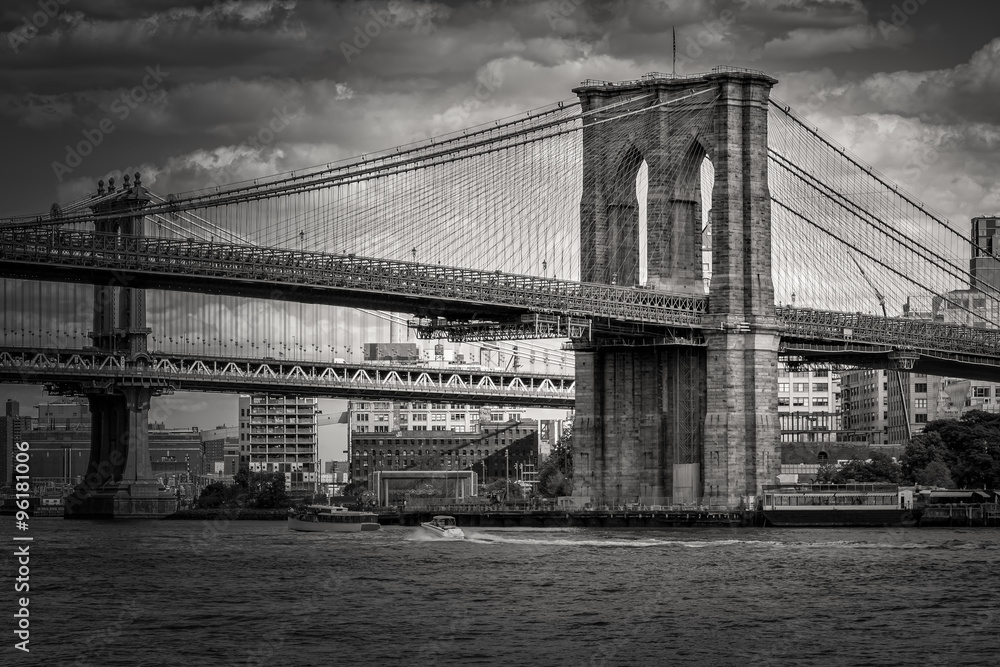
x: 500, y: 332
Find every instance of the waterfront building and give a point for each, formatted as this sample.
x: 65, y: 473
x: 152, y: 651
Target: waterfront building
x: 808, y: 405
x: 985, y: 261
x: 12, y: 428
x: 865, y: 406
x: 497, y: 450
x: 280, y: 434
x: 60, y: 452
x: 63, y: 413
x: 215, y: 443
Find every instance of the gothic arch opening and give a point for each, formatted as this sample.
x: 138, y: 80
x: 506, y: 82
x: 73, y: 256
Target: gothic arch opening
x: 623, y: 212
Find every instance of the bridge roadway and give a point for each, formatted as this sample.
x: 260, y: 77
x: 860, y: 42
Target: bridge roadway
x: 63, y: 370
x: 429, y: 290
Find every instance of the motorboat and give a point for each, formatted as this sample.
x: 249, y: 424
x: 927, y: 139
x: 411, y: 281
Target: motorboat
x: 443, y: 527
x: 331, y: 519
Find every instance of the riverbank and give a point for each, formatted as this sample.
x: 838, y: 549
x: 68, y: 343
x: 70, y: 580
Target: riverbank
x: 237, y: 514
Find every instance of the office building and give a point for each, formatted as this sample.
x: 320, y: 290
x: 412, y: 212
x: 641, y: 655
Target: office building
x: 280, y: 434
x: 985, y: 262
x: 215, y: 444
x: 12, y: 429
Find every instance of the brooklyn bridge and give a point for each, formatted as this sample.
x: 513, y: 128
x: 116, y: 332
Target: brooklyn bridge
x: 680, y: 234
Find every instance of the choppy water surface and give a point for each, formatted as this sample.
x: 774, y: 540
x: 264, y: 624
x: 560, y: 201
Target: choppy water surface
x: 254, y: 593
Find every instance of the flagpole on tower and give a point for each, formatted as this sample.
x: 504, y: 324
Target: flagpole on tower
x: 673, y: 33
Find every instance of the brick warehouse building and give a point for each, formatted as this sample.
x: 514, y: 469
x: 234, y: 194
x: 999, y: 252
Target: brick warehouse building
x: 499, y: 447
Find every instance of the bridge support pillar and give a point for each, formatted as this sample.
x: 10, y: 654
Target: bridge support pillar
x: 638, y: 425
x: 120, y: 481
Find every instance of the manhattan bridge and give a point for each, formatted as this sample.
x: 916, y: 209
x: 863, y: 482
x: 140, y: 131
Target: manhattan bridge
x: 585, y: 221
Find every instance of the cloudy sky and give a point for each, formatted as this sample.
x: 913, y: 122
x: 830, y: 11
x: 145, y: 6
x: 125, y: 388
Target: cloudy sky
x: 181, y: 90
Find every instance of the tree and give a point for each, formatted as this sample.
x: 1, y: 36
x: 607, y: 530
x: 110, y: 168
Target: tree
x: 878, y: 468
x: 555, y: 475
x: 213, y: 495
x: 267, y: 490
x: 921, y: 451
x: 936, y: 473
x: 354, y: 489
x: 969, y: 446
x: 242, y: 478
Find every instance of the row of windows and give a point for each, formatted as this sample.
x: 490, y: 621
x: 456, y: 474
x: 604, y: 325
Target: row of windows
x: 783, y: 373
x: 804, y: 386
x: 420, y: 452
x: 802, y: 400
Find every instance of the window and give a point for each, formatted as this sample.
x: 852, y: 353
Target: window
x: 821, y: 386
x: 800, y: 386
x: 783, y: 386
x: 361, y: 418
x: 496, y: 417
x: 920, y: 402
x: 980, y: 392
x: 420, y: 418
x: 821, y: 400
x: 382, y: 417
x: 920, y: 388
x: 798, y: 400
x: 920, y: 418
x: 783, y: 400
x: 457, y: 417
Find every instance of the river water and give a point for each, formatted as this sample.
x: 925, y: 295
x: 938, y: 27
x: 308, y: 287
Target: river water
x: 254, y: 593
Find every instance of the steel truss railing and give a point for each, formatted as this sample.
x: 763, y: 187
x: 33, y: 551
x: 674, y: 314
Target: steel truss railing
x: 53, y: 254
x: 281, y: 268
x: 898, y: 332
x: 342, y: 380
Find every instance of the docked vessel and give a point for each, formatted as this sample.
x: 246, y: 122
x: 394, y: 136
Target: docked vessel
x: 443, y: 527
x: 837, y: 505
x: 38, y: 506
x: 331, y: 519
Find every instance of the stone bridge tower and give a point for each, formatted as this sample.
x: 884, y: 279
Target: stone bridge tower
x: 119, y: 481
x: 657, y: 422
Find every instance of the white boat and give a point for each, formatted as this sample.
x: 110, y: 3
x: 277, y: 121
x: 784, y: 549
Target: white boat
x: 443, y: 527
x: 331, y: 519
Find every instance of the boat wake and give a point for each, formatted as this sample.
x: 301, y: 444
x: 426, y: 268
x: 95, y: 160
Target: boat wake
x: 419, y: 535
